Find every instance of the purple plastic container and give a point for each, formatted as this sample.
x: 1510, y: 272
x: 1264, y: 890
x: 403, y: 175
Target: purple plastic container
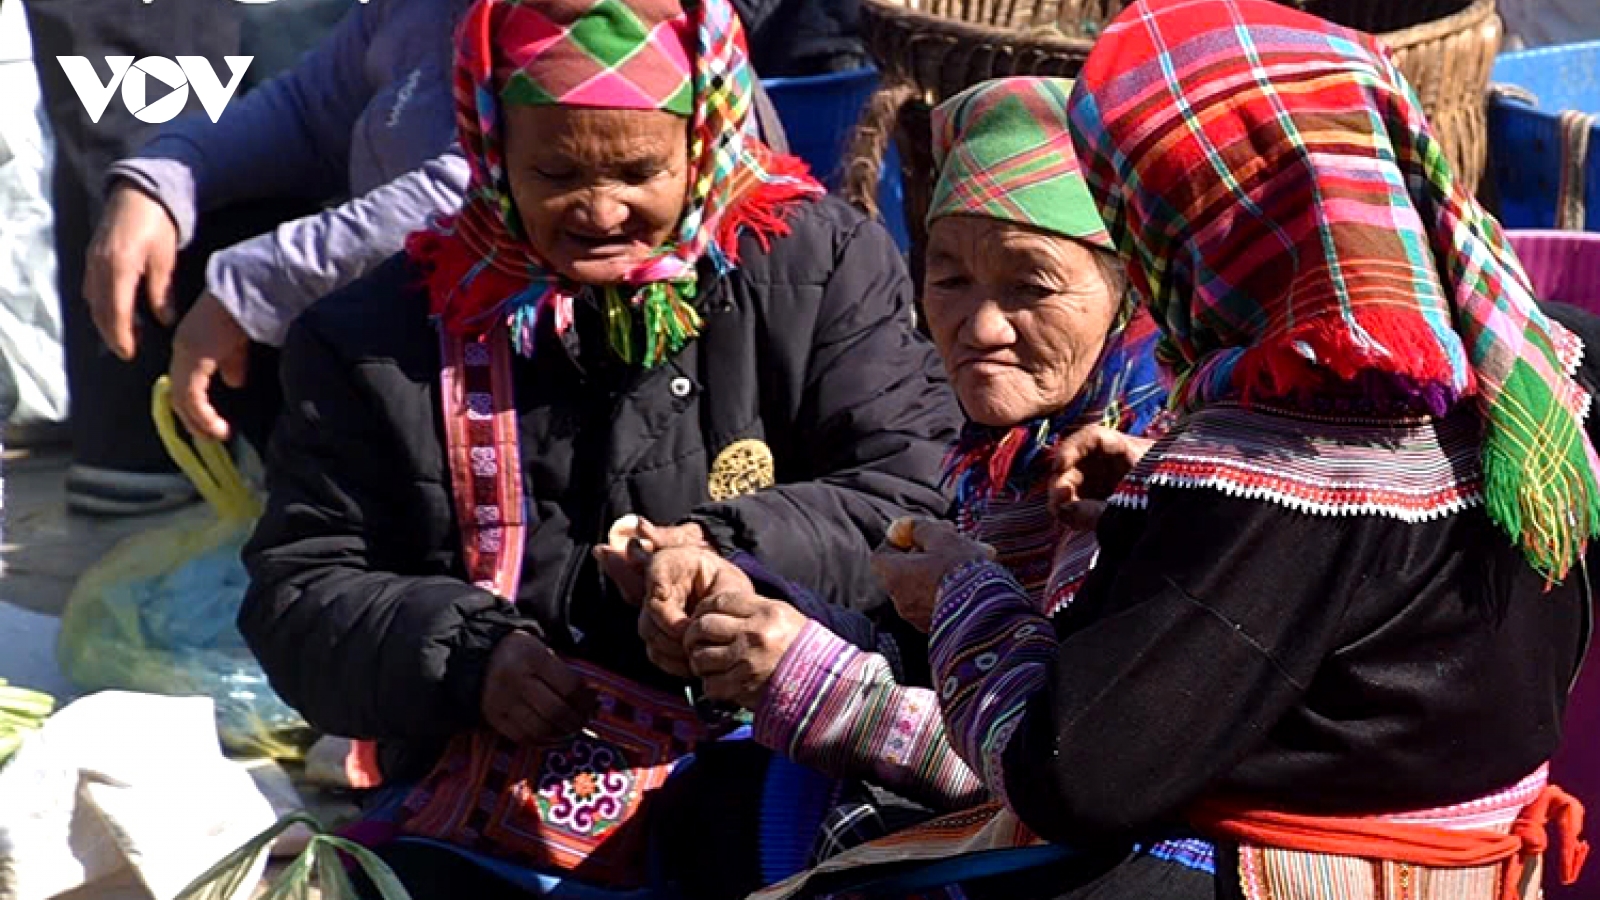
x: 1565, y: 267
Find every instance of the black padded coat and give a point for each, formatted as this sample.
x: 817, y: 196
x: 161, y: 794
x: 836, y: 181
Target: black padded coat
x: 357, y: 607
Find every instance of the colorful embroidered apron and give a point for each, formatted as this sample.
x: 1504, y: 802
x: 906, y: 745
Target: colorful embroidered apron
x: 580, y: 806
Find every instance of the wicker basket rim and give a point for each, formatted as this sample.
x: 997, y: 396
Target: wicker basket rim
x: 1437, y: 29
x: 1404, y: 38
x: 978, y: 32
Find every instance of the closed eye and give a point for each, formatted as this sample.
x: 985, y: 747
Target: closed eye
x: 554, y: 174
x: 642, y: 174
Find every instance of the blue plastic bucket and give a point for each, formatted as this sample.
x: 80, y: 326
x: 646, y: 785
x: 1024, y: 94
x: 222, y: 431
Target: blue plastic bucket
x: 819, y: 113
x: 1525, y: 141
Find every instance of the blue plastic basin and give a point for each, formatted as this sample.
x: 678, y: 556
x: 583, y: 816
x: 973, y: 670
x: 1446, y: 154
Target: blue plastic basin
x: 1525, y: 141
x: 819, y: 114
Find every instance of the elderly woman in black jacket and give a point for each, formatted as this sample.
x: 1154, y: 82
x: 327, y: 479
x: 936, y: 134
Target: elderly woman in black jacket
x: 639, y: 311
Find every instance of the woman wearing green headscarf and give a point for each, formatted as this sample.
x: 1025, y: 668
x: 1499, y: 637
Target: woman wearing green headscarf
x: 1025, y: 302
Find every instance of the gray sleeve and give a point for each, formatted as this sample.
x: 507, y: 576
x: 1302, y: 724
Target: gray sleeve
x: 288, y: 137
x: 267, y: 281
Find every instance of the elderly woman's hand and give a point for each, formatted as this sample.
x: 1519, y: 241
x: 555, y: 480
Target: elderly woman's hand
x: 917, y: 556
x: 1089, y: 464
x: 631, y: 543
x: 530, y: 696
x: 735, y: 642
x: 676, y: 581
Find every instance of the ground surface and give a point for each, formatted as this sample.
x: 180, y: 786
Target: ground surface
x: 44, y: 550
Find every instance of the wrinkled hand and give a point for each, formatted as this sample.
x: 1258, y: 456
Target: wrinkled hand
x: 530, y: 696
x: 735, y: 642
x: 912, y: 576
x: 678, y: 579
x: 1089, y: 464
x: 135, y: 241
x: 625, y: 559
x: 209, y: 342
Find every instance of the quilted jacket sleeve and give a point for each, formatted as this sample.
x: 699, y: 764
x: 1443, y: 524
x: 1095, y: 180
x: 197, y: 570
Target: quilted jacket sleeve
x: 358, y: 625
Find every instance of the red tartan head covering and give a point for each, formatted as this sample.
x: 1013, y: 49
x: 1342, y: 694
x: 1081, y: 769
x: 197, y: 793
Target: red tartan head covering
x: 483, y: 275
x: 1295, y: 228
x: 607, y: 54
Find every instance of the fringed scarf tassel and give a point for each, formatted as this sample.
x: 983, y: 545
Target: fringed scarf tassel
x: 1539, y: 479
x: 765, y: 207
x: 671, y: 320
x: 467, y: 291
x: 1397, y: 369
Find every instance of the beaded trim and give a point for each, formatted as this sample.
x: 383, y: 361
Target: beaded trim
x: 1414, y: 470
x: 480, y: 423
x: 1075, y: 559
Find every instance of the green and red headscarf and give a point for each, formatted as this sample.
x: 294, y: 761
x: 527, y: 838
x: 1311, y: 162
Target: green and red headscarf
x: 1293, y: 225
x: 1003, y: 152
x: 610, y: 54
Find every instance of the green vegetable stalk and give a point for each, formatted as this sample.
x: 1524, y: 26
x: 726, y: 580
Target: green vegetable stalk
x: 21, y: 712
x: 322, y: 863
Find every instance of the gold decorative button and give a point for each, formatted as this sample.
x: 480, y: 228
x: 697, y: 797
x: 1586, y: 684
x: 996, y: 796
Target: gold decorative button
x: 743, y: 467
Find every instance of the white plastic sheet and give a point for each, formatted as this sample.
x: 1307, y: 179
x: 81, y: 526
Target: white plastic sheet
x: 118, y: 783
x: 33, y: 381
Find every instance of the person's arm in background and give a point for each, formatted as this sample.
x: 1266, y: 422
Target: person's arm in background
x: 267, y: 281
x: 290, y: 137
x: 257, y: 288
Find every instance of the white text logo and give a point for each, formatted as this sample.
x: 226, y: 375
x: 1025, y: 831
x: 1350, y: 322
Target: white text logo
x: 176, y: 77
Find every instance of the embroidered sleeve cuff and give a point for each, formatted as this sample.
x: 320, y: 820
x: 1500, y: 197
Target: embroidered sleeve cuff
x: 971, y: 584
x: 800, y: 685
x: 991, y: 651
x: 837, y: 709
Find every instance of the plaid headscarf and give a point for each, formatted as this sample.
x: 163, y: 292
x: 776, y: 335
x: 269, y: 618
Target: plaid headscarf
x: 1294, y: 226
x: 481, y: 270
x: 1003, y: 152
x: 606, y: 55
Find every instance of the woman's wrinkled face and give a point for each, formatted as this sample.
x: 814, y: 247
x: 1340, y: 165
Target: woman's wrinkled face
x: 1020, y: 316
x: 598, y: 190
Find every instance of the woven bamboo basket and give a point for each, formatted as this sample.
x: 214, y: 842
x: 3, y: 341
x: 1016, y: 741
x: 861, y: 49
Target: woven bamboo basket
x: 931, y: 50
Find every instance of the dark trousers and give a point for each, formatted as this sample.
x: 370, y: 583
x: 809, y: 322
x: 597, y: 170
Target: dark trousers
x: 111, y: 425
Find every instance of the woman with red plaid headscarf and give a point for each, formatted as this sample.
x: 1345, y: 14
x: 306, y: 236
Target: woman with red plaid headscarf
x: 1338, y: 607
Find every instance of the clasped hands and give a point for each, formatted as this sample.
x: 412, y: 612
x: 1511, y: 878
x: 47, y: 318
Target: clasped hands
x: 699, y: 615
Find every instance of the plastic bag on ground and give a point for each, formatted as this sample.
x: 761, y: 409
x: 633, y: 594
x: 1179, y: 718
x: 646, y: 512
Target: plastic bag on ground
x: 157, y: 614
